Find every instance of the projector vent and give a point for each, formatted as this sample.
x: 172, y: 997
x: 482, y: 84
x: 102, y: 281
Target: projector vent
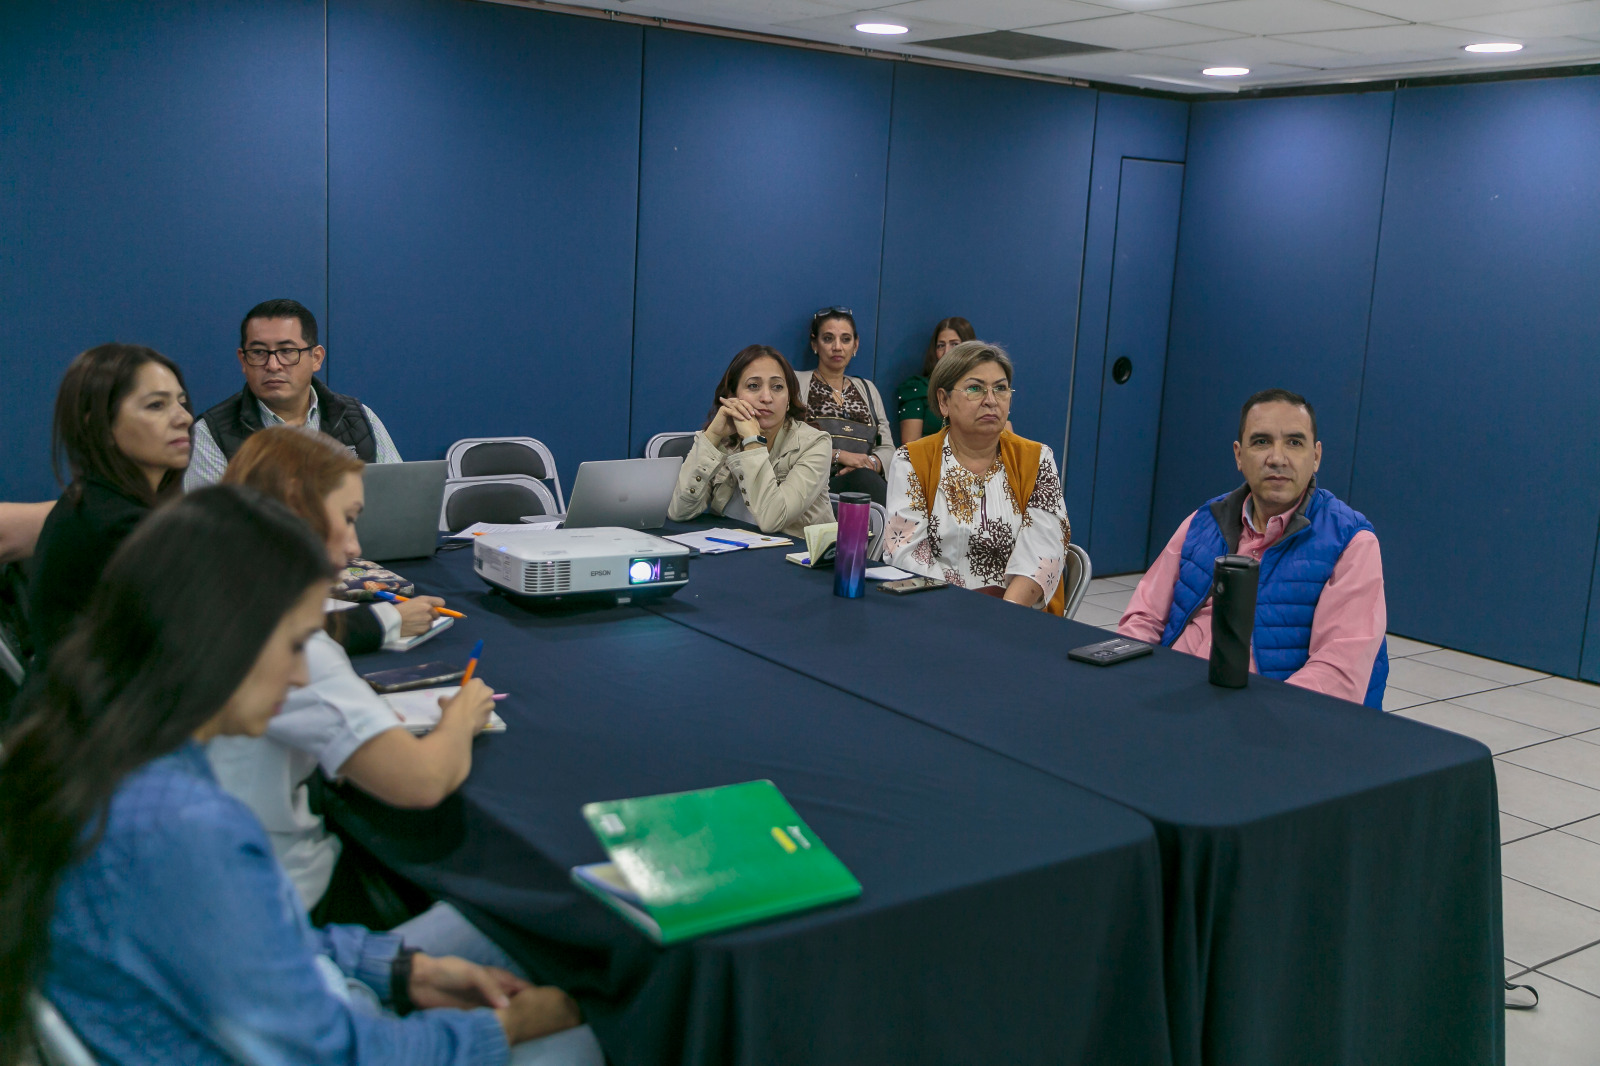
x: 1008, y: 44
x: 547, y: 578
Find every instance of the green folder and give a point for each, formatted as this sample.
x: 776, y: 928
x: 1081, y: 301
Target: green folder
x: 691, y: 863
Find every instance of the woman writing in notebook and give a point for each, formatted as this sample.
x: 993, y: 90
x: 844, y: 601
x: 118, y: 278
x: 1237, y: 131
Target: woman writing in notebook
x: 144, y: 902
x: 756, y: 460
x: 336, y: 721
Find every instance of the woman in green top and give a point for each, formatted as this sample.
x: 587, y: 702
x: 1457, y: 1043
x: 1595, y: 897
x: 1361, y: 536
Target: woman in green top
x: 917, y: 418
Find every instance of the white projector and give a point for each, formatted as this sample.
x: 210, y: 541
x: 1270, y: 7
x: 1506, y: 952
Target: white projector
x: 606, y: 563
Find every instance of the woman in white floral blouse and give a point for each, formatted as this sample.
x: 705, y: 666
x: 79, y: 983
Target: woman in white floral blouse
x: 976, y: 505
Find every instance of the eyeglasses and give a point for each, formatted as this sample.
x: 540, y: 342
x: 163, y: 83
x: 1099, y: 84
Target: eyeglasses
x: 286, y: 356
x: 977, y: 393
x: 831, y: 312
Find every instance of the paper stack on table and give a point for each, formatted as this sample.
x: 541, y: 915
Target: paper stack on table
x: 717, y: 541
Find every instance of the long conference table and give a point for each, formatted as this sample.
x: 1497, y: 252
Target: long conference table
x: 1061, y: 863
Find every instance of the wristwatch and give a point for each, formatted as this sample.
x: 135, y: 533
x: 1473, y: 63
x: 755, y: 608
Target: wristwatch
x: 754, y: 438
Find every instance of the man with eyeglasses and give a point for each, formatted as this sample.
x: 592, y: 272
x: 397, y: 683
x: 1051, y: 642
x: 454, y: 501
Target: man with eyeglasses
x: 1320, y: 611
x: 279, y: 353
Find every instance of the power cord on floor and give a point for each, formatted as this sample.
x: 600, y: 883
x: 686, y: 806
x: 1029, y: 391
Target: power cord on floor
x: 1510, y: 988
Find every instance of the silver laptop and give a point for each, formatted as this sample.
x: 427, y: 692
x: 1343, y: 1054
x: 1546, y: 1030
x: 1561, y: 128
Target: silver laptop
x: 632, y: 493
x: 401, y: 518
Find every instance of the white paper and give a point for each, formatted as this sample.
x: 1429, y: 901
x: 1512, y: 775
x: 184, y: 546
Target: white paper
x: 479, y: 529
x: 541, y: 521
x: 742, y: 538
x: 886, y: 573
x: 419, y: 709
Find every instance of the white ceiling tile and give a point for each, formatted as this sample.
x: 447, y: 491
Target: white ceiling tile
x: 1558, y: 21
x: 1157, y: 5
x: 1096, y: 64
x: 1414, y: 38
x: 1440, y: 10
x: 1131, y: 31
x: 1280, y: 16
x: 740, y: 13
x: 995, y: 14
x: 1256, y: 52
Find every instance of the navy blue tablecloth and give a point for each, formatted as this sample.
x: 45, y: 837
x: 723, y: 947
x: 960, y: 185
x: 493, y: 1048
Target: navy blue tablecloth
x: 1007, y: 916
x: 1331, y: 873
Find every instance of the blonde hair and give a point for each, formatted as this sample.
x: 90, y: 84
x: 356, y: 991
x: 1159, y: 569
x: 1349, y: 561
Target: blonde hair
x: 296, y: 466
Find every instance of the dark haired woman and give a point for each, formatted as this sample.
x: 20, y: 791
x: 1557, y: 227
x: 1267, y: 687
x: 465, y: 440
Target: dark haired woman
x: 144, y: 901
x: 919, y: 418
x: 756, y: 460
x: 848, y: 408
x: 122, y: 421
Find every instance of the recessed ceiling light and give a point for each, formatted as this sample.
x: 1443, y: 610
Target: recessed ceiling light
x: 880, y: 27
x: 1493, y: 46
x: 1226, y: 72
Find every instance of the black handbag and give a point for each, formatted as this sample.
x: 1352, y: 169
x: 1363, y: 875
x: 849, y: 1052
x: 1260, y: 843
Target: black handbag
x: 849, y: 435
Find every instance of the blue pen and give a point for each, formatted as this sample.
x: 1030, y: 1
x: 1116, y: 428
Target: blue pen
x: 735, y: 543
x: 472, y: 663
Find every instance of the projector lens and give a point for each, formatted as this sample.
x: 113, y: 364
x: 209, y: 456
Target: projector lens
x: 641, y: 571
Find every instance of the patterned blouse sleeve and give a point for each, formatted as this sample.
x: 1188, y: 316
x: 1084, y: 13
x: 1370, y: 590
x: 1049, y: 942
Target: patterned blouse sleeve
x: 906, y: 539
x: 1042, y: 542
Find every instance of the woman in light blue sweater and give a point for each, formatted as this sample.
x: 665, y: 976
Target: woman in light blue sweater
x: 144, y: 901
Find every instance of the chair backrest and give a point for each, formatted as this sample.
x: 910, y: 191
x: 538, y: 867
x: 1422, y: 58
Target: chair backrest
x: 492, y: 456
x: 503, y: 499
x: 1077, y: 574
x: 58, y: 1044
x: 667, y: 445
x: 877, y: 522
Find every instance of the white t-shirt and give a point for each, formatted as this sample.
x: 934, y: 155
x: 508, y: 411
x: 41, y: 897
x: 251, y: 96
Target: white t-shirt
x: 324, y: 722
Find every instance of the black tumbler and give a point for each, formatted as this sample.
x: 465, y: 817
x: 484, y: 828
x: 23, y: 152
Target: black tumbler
x: 1233, y: 619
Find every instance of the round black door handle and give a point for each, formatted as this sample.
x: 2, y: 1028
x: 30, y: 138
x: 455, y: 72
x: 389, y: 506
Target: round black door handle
x: 1122, y: 370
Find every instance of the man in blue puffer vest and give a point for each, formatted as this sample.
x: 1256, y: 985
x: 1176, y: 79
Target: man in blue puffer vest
x: 1320, y: 612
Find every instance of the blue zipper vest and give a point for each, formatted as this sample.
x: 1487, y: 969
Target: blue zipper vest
x: 1293, y: 572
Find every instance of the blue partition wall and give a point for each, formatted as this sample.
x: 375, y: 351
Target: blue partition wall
x: 161, y: 171
x: 1275, y: 258
x: 761, y: 200
x: 1129, y: 127
x: 482, y: 184
x: 987, y: 183
x: 1480, y: 416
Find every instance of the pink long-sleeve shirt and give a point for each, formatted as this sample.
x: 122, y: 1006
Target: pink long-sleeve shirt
x: 1346, y: 630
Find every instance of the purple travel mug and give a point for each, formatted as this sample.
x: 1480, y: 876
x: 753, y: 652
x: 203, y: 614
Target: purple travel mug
x: 850, y: 558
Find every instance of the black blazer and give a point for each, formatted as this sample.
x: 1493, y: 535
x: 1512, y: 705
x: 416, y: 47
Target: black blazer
x: 79, y: 537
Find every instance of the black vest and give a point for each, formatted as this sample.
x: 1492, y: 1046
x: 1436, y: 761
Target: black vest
x: 340, y: 417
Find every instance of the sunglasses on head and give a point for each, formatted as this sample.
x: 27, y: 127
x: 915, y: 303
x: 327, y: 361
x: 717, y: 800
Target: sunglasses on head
x: 832, y: 312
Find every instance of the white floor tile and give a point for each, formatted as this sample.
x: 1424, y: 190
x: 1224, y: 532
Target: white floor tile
x: 1581, y: 969
x: 1588, y: 829
x: 1093, y: 614
x: 1127, y: 581
x: 1571, y: 759
x: 1562, y: 688
x: 1516, y: 828
x: 1399, y: 647
x: 1540, y: 926
x: 1524, y: 704
x: 1556, y: 862
x: 1104, y: 584
x: 1436, y: 681
x: 1563, y: 1031
x: 1504, y: 673
x: 1543, y: 799
x: 1116, y: 600
x: 1498, y: 734
x: 1398, y: 699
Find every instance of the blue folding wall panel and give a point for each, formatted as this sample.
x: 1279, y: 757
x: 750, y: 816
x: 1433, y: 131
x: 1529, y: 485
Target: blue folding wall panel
x: 987, y: 182
x: 482, y: 187
x: 760, y: 201
x: 1480, y: 416
x: 161, y: 170
x: 1276, y: 251
x: 1134, y: 127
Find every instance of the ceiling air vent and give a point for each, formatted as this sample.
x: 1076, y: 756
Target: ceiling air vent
x: 1008, y: 44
